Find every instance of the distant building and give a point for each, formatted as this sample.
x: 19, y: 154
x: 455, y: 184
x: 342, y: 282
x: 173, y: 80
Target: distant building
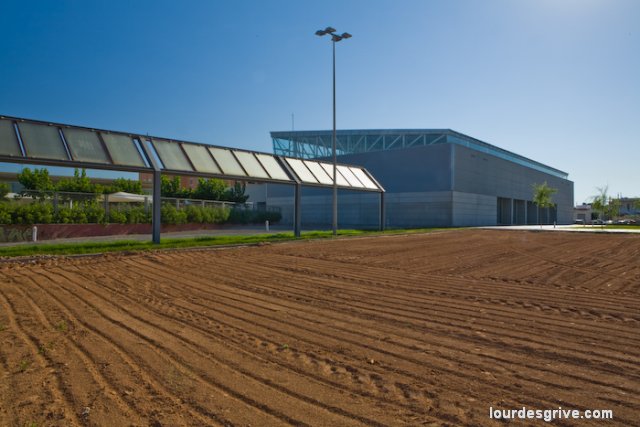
x: 433, y: 177
x: 583, y: 213
x: 629, y: 206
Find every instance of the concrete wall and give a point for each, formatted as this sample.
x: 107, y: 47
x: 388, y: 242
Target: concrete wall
x: 471, y: 209
x: 481, y: 173
x: 355, y: 209
x: 420, y: 209
x: 411, y: 170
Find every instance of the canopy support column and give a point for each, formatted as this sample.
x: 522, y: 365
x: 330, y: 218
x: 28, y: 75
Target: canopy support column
x: 297, y: 212
x: 382, y: 211
x: 157, y: 195
x: 156, y: 207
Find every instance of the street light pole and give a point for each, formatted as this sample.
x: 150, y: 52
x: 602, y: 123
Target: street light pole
x: 334, y: 39
x: 334, y: 200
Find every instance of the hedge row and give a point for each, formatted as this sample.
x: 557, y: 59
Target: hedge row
x: 91, y: 212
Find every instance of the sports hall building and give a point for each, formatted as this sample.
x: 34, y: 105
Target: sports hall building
x: 432, y: 177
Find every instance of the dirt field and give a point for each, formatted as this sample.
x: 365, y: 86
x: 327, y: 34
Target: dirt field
x: 415, y: 330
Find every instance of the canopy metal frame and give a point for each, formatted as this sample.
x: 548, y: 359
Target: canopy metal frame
x: 153, y: 165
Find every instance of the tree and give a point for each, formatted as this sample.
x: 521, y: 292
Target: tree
x: 78, y: 184
x: 542, y: 194
x: 236, y: 193
x: 209, y: 189
x: 36, y: 180
x: 125, y: 185
x: 599, y: 202
x: 613, y: 208
x: 170, y: 187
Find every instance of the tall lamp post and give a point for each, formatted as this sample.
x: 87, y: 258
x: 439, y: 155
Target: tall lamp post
x: 334, y: 39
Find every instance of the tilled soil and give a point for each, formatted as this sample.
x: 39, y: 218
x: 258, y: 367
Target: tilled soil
x: 424, y: 329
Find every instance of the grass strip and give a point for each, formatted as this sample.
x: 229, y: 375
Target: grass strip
x: 187, y: 242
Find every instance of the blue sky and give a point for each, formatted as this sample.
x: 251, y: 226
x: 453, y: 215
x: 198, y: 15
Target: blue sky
x: 554, y: 80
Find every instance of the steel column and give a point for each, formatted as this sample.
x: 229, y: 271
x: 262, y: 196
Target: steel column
x: 334, y: 199
x: 157, y: 202
x: 157, y: 198
x: 297, y: 212
x: 382, y: 211
x: 513, y: 221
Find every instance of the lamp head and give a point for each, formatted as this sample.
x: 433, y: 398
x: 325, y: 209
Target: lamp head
x: 346, y: 36
x: 320, y: 33
x: 329, y: 30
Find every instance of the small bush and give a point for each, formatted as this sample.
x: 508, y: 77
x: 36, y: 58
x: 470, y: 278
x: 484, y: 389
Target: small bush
x: 137, y: 215
x: 73, y: 215
x: 117, y: 216
x: 35, y: 213
x: 94, y: 212
x: 5, y: 213
x: 4, y: 190
x: 171, y: 215
x: 196, y: 214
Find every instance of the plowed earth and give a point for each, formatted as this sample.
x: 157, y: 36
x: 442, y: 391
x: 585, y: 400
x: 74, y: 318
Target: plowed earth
x: 428, y: 329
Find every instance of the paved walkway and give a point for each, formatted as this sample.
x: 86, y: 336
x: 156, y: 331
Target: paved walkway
x: 572, y: 227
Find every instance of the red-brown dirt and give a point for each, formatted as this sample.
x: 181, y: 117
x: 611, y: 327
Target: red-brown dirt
x: 425, y: 329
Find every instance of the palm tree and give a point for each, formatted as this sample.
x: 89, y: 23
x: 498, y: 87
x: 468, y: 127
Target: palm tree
x: 542, y: 196
x: 600, y: 201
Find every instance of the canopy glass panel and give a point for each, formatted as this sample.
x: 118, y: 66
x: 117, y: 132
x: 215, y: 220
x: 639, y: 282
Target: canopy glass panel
x: 171, y: 155
x: 85, y: 146
x: 273, y: 167
x: 42, y: 141
x: 201, y: 159
x: 364, y: 178
x: 301, y: 170
x: 319, y: 172
x: 122, y: 149
x: 329, y: 169
x: 227, y: 161
x: 251, y: 164
x: 350, y: 177
x: 9, y: 145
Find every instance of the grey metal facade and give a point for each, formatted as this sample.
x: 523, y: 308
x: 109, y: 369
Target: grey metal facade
x: 439, y: 184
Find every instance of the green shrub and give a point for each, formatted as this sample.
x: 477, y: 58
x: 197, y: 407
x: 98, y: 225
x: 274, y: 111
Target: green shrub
x: 74, y: 215
x: 4, y: 190
x: 5, y: 213
x: 117, y: 216
x: 216, y: 215
x: 94, y: 212
x: 195, y: 214
x: 137, y: 215
x: 129, y: 215
x: 34, y: 213
x: 171, y: 215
